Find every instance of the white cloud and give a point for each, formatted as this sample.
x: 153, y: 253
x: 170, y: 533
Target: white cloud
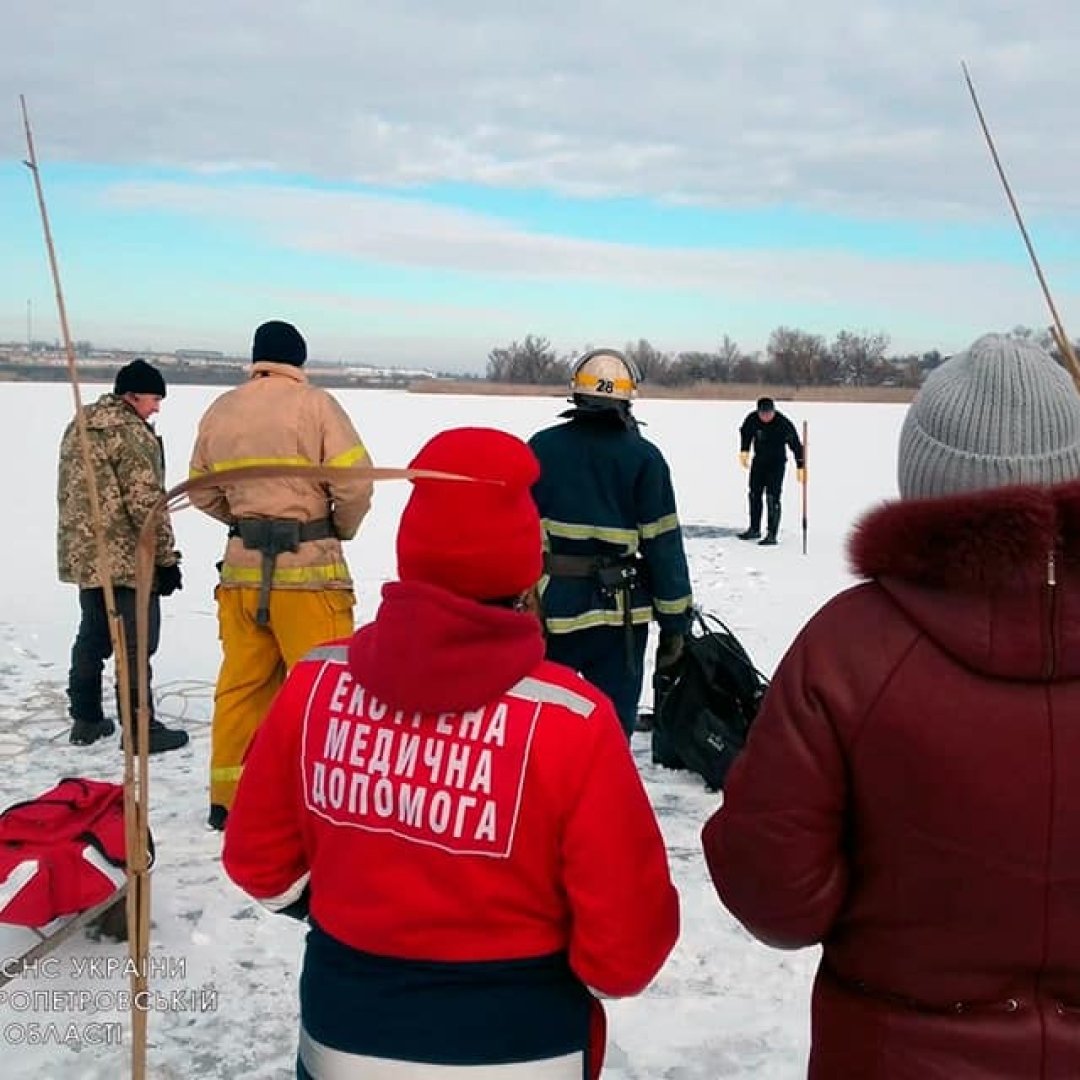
x: 847, y: 108
x: 938, y: 296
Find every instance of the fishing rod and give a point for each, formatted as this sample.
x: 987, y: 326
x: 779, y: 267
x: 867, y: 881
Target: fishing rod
x: 135, y: 783
x: 1057, y: 330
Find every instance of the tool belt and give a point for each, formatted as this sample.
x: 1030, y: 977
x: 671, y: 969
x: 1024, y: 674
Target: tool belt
x: 614, y: 574
x: 271, y: 537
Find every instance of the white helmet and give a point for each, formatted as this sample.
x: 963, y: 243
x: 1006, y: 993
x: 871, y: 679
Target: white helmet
x: 605, y: 374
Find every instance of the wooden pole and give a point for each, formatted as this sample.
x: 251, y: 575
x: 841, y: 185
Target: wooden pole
x: 1061, y: 339
x: 805, y: 477
x: 135, y: 839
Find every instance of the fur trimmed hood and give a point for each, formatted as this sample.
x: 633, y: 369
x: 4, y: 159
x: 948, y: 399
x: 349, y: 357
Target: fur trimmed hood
x: 989, y: 540
x: 993, y: 577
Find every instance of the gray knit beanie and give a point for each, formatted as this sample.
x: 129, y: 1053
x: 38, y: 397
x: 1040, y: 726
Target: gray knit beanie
x: 1000, y: 413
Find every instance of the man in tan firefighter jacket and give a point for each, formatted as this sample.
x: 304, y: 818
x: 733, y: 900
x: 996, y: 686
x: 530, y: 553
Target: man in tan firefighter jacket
x: 284, y: 584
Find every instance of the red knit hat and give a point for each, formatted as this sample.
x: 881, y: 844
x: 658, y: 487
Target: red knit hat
x: 481, y: 540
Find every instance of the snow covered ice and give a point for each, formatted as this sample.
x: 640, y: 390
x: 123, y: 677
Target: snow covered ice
x: 723, y: 1006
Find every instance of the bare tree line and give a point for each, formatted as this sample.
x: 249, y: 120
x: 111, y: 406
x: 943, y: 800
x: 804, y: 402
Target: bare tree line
x: 792, y: 357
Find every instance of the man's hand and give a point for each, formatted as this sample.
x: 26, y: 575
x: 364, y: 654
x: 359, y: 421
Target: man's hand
x: 744, y: 459
x: 168, y: 579
x: 669, y: 651
x: 800, y: 474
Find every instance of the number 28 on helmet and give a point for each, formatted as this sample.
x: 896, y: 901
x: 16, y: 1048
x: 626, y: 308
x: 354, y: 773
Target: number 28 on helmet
x: 605, y: 373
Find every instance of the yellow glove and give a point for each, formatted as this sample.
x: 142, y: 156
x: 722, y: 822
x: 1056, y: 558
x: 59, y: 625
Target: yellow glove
x: 800, y: 475
x: 744, y: 459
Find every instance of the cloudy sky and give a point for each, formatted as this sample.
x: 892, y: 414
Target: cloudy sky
x: 417, y: 182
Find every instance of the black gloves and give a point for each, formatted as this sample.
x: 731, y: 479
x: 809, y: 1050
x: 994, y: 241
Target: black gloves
x: 167, y: 579
x: 668, y: 651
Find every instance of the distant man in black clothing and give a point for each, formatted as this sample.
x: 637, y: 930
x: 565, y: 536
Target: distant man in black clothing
x: 770, y: 434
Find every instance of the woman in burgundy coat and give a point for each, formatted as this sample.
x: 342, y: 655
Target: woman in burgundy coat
x: 910, y: 795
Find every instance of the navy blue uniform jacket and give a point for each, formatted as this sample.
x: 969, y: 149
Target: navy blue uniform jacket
x: 605, y: 490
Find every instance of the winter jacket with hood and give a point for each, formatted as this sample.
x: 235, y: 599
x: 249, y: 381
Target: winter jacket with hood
x: 129, y: 471
x: 474, y: 838
x: 278, y: 418
x: 910, y: 797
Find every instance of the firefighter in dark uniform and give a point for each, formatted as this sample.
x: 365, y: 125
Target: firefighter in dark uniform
x: 771, y: 434
x: 614, y: 558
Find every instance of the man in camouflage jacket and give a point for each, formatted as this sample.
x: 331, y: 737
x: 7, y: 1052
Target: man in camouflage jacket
x: 129, y: 471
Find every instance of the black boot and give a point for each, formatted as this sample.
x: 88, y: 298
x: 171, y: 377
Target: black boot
x: 755, y: 521
x: 774, y: 522
x: 217, y: 817
x: 163, y: 739
x: 86, y: 732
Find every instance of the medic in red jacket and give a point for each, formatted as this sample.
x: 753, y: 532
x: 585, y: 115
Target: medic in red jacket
x: 462, y: 819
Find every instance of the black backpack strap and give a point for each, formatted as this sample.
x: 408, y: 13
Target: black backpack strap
x: 710, y: 623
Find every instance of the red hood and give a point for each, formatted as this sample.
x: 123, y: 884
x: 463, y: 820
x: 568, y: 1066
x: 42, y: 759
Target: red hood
x: 974, y: 572
x: 431, y: 651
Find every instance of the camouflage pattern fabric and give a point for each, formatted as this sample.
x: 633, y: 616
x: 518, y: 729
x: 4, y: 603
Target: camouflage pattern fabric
x: 129, y: 468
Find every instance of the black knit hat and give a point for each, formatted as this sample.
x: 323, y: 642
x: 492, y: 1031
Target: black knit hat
x: 766, y: 404
x: 279, y: 341
x: 139, y: 377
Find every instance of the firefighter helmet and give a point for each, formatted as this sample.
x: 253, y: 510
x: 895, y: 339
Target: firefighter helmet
x: 605, y: 374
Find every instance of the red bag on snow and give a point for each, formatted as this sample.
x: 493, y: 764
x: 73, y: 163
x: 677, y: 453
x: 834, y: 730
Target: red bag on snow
x: 62, y: 852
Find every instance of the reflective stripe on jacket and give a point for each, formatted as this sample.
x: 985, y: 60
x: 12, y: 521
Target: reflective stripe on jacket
x: 278, y: 418
x: 605, y: 491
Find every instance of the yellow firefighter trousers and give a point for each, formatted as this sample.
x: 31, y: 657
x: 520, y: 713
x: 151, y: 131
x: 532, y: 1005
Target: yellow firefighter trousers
x: 255, y: 661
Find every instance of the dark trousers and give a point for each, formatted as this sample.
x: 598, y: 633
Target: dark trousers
x: 766, y: 478
x: 599, y: 654
x: 93, y: 647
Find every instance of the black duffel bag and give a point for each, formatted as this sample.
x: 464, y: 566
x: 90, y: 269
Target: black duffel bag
x: 705, y: 704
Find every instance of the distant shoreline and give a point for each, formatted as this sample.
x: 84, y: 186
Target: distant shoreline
x: 750, y: 392
x: 196, y: 375
x: 234, y: 374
